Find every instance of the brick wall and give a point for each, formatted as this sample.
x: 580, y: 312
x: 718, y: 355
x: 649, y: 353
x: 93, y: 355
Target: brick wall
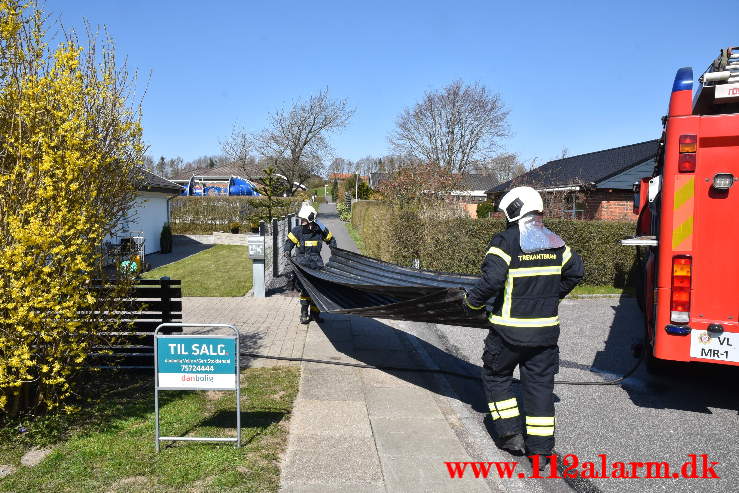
x: 616, y: 205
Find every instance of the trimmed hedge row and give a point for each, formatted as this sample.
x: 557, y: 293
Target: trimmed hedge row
x: 203, y: 215
x: 458, y: 244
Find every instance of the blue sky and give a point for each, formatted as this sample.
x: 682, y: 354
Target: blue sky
x: 585, y: 75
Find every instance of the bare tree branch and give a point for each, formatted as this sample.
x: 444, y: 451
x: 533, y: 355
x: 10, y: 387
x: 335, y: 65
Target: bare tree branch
x: 455, y: 127
x: 297, y: 138
x: 238, y: 149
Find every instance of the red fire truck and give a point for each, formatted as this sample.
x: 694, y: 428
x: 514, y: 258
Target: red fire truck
x: 688, y: 226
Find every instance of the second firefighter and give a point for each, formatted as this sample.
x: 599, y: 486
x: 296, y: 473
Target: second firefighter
x: 307, y: 239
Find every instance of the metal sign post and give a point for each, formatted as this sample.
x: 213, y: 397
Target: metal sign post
x: 196, y: 362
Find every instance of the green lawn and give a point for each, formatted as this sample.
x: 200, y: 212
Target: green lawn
x: 222, y: 270
x: 110, y: 447
x: 318, y: 191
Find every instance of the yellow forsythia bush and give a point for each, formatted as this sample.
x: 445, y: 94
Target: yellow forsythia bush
x: 70, y: 151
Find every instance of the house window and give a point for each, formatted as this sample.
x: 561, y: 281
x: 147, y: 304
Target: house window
x: 573, y: 205
x: 568, y: 205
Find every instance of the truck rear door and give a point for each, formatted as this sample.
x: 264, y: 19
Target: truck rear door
x: 715, y: 279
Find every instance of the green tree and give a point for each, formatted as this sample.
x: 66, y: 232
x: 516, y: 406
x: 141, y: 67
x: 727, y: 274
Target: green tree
x: 334, y: 190
x: 362, y: 190
x: 274, y: 186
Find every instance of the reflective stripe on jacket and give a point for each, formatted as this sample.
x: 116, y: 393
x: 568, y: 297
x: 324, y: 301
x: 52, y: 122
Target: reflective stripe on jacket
x: 308, y: 239
x: 527, y: 288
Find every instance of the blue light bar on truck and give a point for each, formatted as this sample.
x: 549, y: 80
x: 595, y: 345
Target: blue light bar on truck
x: 683, y: 79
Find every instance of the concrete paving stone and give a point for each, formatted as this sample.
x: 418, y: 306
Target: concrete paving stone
x: 315, y: 334
x: 422, y: 474
x: 338, y: 330
x: 330, y: 418
x: 334, y: 488
x: 372, y: 342
x: 390, y: 378
x: 384, y: 402
x: 362, y: 327
x: 399, y: 359
x: 334, y: 460
x: 333, y: 383
x: 438, y: 427
x: 329, y: 352
x: 426, y: 444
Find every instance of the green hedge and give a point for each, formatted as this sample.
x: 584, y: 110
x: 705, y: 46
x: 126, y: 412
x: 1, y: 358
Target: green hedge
x: 203, y: 215
x: 458, y: 244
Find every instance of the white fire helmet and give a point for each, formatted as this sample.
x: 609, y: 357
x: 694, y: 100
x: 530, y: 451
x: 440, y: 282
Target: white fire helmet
x: 519, y: 202
x: 308, y: 213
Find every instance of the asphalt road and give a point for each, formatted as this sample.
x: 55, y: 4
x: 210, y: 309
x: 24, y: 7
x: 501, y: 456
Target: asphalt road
x: 647, y: 418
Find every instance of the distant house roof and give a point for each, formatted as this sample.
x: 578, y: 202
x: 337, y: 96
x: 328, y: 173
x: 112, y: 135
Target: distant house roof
x: 471, y: 181
x: 593, y: 168
x: 226, y: 170
x: 150, y: 182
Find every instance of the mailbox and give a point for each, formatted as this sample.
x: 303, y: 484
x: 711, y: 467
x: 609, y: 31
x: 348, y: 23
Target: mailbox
x: 256, y: 247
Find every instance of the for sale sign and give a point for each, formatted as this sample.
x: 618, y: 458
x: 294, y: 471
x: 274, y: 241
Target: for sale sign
x: 196, y: 362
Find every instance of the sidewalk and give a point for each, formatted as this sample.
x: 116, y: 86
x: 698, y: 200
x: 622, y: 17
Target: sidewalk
x: 366, y: 430
x: 352, y: 429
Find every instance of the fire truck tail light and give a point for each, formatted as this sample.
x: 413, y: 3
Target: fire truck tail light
x: 686, y: 159
x: 688, y: 143
x: 680, y: 296
x: 686, y: 163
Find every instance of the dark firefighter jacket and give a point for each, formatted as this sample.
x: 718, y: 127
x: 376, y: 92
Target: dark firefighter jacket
x: 307, y: 239
x: 527, y: 288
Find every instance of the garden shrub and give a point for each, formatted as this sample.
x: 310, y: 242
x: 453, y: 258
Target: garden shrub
x: 203, y: 215
x: 71, y: 150
x: 344, y: 211
x: 458, y: 244
x: 484, y: 209
x: 165, y: 239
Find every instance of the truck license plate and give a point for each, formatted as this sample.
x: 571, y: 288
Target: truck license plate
x: 718, y: 348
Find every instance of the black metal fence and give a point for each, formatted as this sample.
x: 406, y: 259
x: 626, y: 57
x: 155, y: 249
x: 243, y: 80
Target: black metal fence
x: 276, y: 265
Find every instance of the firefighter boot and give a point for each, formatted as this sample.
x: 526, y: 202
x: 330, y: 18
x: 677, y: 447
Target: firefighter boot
x: 542, y: 461
x: 304, y: 315
x: 512, y: 444
x: 315, y: 315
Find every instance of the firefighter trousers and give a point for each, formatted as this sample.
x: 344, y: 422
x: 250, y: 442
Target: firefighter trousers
x: 305, y: 299
x: 537, y: 366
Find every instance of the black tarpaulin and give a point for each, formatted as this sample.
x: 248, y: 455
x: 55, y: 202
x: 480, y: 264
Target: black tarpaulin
x: 359, y: 285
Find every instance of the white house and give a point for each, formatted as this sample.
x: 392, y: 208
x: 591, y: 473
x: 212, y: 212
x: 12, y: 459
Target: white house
x: 150, y: 210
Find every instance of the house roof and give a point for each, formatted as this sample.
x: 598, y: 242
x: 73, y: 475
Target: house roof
x: 590, y: 168
x: 467, y: 182
x: 472, y: 181
x: 226, y: 170
x: 149, y: 182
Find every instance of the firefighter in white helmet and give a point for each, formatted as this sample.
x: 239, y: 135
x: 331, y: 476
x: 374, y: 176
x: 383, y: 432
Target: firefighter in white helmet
x: 307, y: 239
x: 526, y: 271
